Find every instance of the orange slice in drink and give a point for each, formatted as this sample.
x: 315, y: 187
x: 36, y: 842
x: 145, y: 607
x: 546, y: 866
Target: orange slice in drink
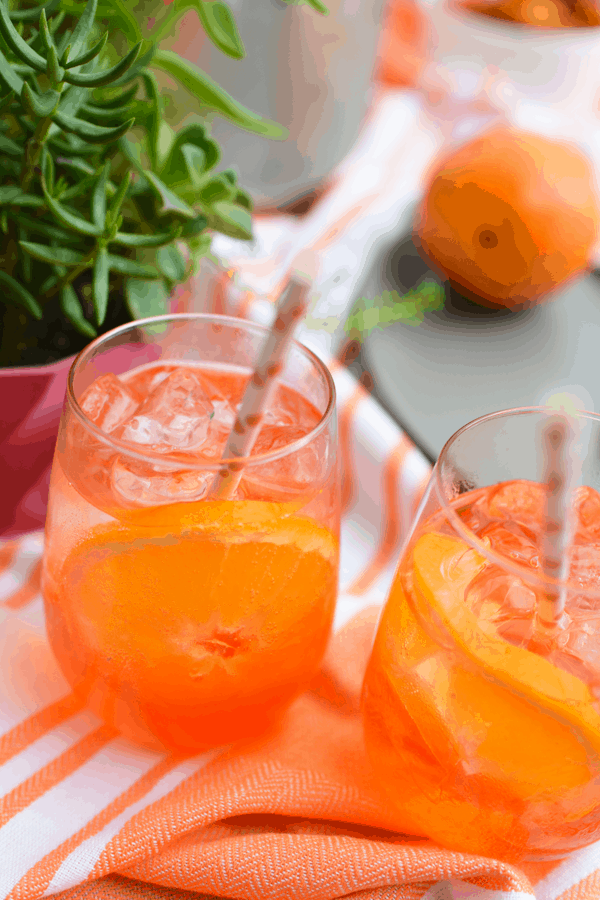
x: 528, y: 721
x: 164, y: 596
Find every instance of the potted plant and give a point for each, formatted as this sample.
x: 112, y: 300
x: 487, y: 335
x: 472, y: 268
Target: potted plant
x: 104, y: 209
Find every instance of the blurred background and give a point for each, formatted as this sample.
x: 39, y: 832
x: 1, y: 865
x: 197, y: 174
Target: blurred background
x: 441, y: 172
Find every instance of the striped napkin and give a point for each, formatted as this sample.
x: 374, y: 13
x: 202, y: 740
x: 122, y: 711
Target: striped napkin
x: 85, y: 814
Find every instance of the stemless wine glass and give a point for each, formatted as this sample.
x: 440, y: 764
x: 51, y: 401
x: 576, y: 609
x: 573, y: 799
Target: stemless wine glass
x: 186, y: 620
x: 485, y: 741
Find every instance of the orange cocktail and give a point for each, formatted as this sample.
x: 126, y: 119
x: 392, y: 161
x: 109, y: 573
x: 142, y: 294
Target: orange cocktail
x: 184, y: 620
x: 486, y: 740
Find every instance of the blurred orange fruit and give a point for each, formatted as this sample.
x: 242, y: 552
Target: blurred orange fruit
x: 509, y: 216
x: 539, y: 13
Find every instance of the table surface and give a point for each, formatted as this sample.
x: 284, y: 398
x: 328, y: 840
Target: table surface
x: 463, y: 361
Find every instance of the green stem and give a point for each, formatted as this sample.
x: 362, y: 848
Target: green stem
x: 72, y: 274
x: 33, y: 153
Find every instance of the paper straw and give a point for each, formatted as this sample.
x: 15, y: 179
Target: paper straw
x: 558, y: 445
x: 258, y: 394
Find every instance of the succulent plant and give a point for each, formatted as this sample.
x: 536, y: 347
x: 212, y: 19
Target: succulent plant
x: 98, y: 198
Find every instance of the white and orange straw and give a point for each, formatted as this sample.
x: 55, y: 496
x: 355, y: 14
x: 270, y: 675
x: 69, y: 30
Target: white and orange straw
x: 259, y: 392
x: 558, y: 436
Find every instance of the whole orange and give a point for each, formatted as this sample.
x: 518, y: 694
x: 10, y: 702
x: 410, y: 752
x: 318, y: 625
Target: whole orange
x: 509, y: 216
x: 538, y: 13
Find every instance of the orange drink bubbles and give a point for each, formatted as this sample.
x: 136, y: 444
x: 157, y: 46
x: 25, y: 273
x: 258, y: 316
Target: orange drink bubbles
x: 486, y: 741
x: 188, y: 621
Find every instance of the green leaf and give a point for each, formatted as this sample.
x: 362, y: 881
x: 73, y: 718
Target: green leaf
x: 195, y: 160
x: 231, y: 220
x: 54, y: 70
x: 12, y: 195
x: 79, y: 165
x: 9, y: 146
x: 145, y: 240
x: 39, y: 105
x: 132, y: 151
x: 175, y: 169
x: 100, y: 114
x: 44, y: 31
x: 125, y: 20
x: 122, y: 98
x: 58, y: 256
x: 83, y: 28
x: 171, y: 203
x: 90, y: 54
x: 153, y: 94
x: 118, y: 200
x: 320, y: 7
x: 125, y: 266
x: 6, y: 101
x: 195, y: 227
x: 19, y: 295
x: 199, y: 247
x: 31, y: 15
x: 100, y: 284
x: 97, y: 79
x: 316, y: 4
x: 8, y: 76
x: 38, y: 227
x: 218, y: 188
x: 72, y: 310
x: 19, y: 47
x: 219, y: 25
x: 48, y: 170
x: 171, y: 263
x: 209, y: 94
x: 244, y: 199
x: 72, y: 99
x: 72, y: 145
x: 93, y: 134
x: 99, y: 198
x: 135, y: 71
x: 146, y: 298
x: 67, y: 218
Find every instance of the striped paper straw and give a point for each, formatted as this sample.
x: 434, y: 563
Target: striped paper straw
x: 261, y: 387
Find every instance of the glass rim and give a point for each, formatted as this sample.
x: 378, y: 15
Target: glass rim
x: 448, y: 506
x: 184, y: 459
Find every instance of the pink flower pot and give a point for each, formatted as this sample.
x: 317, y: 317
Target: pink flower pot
x: 31, y: 400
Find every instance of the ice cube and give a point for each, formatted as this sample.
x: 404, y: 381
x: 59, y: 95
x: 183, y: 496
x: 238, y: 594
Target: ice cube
x: 517, y: 501
x: 578, y: 647
x: 108, y: 402
x: 515, y: 542
x: 175, y: 416
x: 145, y: 484
x: 505, y: 601
x: 587, y: 506
x: 291, y: 474
x: 221, y: 423
x: 584, y: 561
x: 288, y: 407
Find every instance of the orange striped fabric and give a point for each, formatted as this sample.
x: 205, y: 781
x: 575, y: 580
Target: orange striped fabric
x: 86, y: 816
x: 30, y: 588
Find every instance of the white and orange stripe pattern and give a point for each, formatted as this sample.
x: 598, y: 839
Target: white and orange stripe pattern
x: 84, y: 814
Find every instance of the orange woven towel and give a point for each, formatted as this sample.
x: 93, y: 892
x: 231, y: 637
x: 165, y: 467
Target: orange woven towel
x: 84, y: 814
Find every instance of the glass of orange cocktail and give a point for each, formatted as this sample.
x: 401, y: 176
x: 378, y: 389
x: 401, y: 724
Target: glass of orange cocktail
x: 185, y: 620
x: 486, y: 738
